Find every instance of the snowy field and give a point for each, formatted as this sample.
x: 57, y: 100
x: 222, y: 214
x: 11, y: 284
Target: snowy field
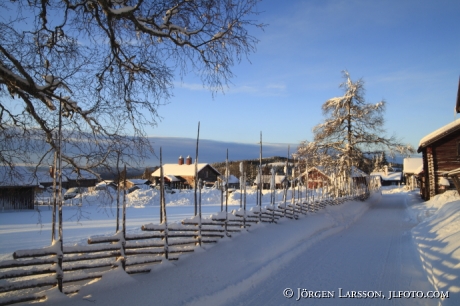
x: 94, y: 214
x: 247, y: 269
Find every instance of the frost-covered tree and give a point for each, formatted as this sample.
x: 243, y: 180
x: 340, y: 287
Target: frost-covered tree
x: 106, y: 66
x: 352, y: 128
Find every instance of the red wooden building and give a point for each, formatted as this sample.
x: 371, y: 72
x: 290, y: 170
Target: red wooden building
x: 317, y: 177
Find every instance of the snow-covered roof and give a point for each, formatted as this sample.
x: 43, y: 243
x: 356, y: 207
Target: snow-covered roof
x: 67, y: 174
x: 181, y: 170
x: 411, y: 164
x: 356, y: 172
x: 45, y: 177
x: 419, y: 169
x: 19, y: 177
x: 320, y: 169
x: 172, y: 178
x: 438, y: 134
x: 390, y: 176
x: 138, y: 181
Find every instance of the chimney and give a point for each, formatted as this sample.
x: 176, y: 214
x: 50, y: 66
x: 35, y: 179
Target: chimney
x: 188, y: 161
x: 51, y: 171
x: 181, y: 160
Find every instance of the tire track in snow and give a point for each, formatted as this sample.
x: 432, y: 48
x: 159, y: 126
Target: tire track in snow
x: 376, y: 253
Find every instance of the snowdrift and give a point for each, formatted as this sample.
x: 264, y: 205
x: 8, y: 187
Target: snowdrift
x: 437, y: 237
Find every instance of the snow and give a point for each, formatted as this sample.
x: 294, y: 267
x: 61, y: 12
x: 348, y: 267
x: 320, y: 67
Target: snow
x: 180, y: 170
x: 138, y: 181
x: 433, y: 136
x: 437, y: 237
x: 254, y: 267
x: 411, y: 165
x: 21, y: 177
x: 231, y: 179
x: 356, y: 172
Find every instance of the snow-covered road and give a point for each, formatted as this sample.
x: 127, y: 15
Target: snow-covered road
x: 357, y: 246
x: 376, y: 253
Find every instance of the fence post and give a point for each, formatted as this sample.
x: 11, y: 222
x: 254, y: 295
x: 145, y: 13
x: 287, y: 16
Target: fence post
x: 200, y: 185
x: 244, y: 200
x: 123, y: 239
x: 163, y: 206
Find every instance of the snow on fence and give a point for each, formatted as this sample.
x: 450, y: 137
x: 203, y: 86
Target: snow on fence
x: 24, y: 277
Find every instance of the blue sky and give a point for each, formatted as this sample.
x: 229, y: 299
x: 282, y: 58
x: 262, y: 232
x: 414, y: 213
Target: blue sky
x: 407, y: 52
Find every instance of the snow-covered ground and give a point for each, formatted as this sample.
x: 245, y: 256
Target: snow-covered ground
x: 235, y: 270
x: 97, y: 213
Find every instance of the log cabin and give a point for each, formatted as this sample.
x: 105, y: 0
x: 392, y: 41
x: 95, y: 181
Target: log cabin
x: 441, y: 159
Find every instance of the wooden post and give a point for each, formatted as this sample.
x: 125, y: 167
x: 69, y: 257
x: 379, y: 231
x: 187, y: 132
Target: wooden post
x: 123, y: 224
x: 55, y: 195
x: 226, y: 194
x: 163, y: 206
x: 60, y: 272
x: 244, y: 200
x: 221, y: 187
x: 200, y: 185
x: 285, y: 187
x: 293, y: 185
x: 196, y: 167
x: 272, y: 193
x: 261, y: 180
x: 241, y: 182
x: 117, y: 228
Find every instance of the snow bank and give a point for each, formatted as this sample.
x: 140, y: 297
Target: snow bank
x: 437, y: 237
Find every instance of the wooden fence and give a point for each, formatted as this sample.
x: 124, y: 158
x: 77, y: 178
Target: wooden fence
x: 24, y: 278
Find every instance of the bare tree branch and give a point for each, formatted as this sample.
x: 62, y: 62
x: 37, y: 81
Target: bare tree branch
x: 110, y: 64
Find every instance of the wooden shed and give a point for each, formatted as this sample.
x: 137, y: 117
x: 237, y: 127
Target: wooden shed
x: 441, y: 156
x: 17, y: 188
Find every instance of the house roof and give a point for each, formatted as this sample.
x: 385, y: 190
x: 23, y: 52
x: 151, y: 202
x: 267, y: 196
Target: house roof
x: 172, y: 178
x: 356, y: 172
x: 67, y: 174
x: 138, y: 181
x: 181, y: 170
x: 320, y: 169
x: 20, y: 177
x: 439, y: 134
x: 411, y: 165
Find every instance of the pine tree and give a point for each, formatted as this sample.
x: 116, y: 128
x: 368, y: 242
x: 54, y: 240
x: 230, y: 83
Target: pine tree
x: 351, y: 128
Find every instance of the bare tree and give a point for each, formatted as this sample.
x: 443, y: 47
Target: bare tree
x: 109, y: 64
x: 352, y: 128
